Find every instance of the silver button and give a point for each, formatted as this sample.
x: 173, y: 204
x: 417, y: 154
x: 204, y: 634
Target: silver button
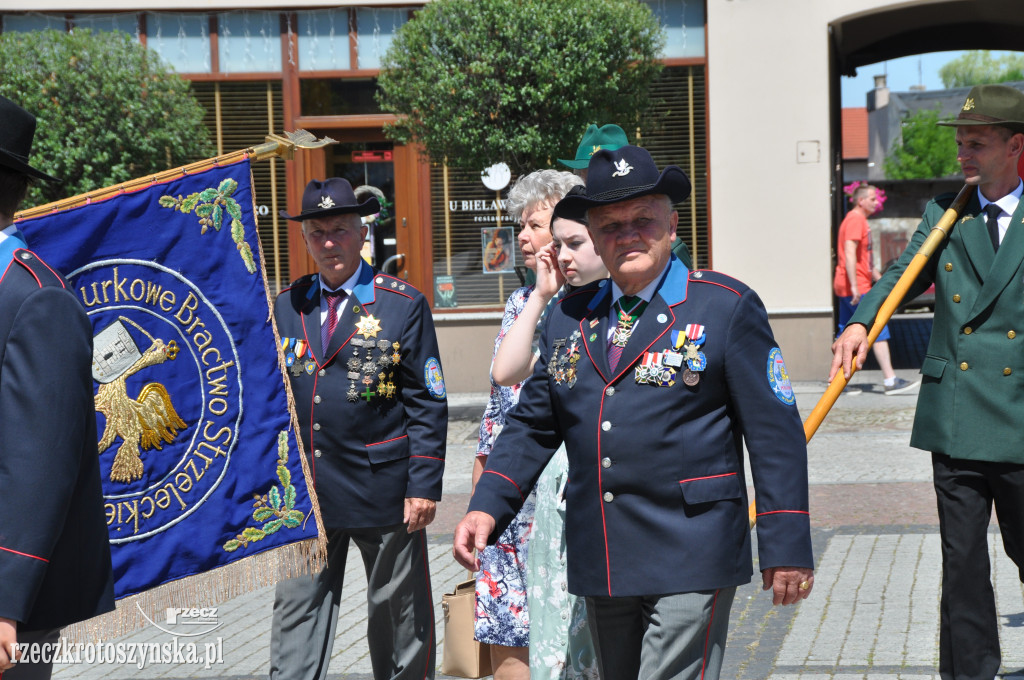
x: 606, y: 425
x: 379, y: 279
x: 606, y: 462
x: 26, y: 256
x: 316, y: 426
x: 608, y: 496
x: 318, y: 453
x: 316, y: 399
x: 565, y: 616
x: 610, y: 391
x: 565, y: 587
x: 662, y: 318
x: 321, y: 373
x: 698, y: 275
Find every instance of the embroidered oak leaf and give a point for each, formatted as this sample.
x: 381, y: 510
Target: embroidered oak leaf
x: 212, y: 207
x: 276, y: 509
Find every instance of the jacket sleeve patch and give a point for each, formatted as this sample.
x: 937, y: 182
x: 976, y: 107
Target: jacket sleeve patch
x: 778, y: 377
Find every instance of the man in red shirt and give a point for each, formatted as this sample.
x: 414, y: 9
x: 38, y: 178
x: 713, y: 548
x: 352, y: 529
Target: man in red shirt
x: 856, y: 271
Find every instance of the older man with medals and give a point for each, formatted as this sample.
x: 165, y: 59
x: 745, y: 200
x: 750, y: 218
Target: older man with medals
x: 372, y: 406
x: 673, y: 371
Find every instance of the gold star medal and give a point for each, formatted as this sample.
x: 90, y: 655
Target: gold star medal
x: 368, y: 327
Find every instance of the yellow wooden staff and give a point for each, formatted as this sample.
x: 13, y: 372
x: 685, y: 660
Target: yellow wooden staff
x: 938, y: 234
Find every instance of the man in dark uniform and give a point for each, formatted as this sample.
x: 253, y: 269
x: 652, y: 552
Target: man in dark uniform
x: 372, y: 406
x: 54, y: 549
x: 969, y: 408
x: 654, y: 380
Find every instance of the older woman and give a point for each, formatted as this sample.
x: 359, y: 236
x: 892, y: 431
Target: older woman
x: 502, y: 612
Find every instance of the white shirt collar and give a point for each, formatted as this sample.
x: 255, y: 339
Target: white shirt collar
x: 1008, y: 202
x: 647, y: 293
x: 348, y: 286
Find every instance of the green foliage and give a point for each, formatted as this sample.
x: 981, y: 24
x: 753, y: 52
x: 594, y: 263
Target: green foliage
x: 979, y: 67
x: 108, y: 109
x: 209, y: 206
x: 272, y: 509
x: 925, y: 151
x: 483, y: 81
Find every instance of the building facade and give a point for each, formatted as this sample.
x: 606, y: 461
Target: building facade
x: 760, y: 136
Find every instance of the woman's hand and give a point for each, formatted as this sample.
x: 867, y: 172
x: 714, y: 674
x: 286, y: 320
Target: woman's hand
x: 549, y: 278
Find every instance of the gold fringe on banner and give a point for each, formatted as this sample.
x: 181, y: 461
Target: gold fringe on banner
x: 247, y: 574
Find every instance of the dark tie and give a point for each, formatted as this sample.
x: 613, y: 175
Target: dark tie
x: 993, y: 212
x: 628, y: 309
x: 334, y: 298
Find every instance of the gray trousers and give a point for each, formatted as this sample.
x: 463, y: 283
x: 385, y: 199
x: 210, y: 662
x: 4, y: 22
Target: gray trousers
x: 660, y: 637
x: 400, y: 610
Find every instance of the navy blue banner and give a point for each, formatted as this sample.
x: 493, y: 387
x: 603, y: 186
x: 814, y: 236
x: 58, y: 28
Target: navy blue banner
x: 199, y: 462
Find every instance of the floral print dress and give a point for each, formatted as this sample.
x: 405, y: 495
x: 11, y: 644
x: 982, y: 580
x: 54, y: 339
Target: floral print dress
x: 502, y: 616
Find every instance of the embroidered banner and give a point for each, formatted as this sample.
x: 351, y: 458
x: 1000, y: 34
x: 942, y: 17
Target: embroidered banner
x: 199, y: 460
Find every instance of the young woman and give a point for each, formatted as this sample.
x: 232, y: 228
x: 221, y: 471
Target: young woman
x: 502, y: 612
x: 560, y: 644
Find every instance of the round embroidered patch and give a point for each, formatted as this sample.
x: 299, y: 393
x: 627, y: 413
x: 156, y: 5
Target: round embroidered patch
x: 433, y: 378
x: 778, y: 378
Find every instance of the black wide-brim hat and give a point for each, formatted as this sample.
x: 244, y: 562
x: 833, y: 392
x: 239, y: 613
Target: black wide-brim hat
x: 17, y: 129
x: 333, y: 196
x: 617, y: 175
x: 991, y: 105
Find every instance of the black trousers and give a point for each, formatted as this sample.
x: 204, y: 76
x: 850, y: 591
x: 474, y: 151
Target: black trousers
x: 965, y: 491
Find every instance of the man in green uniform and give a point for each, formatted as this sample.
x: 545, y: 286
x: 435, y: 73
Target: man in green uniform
x: 969, y: 411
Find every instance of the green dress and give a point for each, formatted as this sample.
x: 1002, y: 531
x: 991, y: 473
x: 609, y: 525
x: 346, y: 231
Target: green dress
x: 560, y: 643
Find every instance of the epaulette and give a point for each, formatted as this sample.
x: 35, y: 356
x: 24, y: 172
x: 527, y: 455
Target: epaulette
x: 395, y: 285
x: 718, y: 279
x: 42, y: 272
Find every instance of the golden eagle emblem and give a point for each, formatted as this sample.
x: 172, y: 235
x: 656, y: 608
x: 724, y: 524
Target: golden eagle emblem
x: 144, y: 423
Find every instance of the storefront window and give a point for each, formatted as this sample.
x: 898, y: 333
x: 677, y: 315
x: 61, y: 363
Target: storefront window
x: 683, y: 22
x: 127, y: 23
x: 323, y: 40
x: 249, y: 42
x: 33, y: 22
x: 181, y: 40
x: 376, y: 30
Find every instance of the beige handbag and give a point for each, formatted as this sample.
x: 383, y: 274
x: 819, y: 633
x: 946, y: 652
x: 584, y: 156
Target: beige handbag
x: 462, y: 656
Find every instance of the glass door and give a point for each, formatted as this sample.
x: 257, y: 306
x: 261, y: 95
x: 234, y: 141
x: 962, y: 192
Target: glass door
x: 370, y: 168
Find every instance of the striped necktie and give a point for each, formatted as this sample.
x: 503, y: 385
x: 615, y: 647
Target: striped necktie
x: 333, y: 298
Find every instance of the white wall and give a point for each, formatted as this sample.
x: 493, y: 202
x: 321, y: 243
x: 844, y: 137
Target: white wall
x: 768, y: 100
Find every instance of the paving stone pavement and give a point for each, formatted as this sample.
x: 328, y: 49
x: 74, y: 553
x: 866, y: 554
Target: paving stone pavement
x: 873, y: 614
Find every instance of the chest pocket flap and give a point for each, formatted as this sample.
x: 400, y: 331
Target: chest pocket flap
x: 710, y: 489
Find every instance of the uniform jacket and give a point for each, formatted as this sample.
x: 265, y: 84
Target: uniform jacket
x: 370, y: 446
x: 656, y: 495
x: 54, y: 549
x: 973, y: 372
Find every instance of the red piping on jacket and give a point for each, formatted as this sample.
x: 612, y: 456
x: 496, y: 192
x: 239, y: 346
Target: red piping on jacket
x: 518, y: 490
x: 697, y: 479
x: 43, y: 559
x: 387, y: 441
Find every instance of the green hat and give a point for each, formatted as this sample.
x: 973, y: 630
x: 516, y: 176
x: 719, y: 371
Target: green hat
x: 609, y: 137
x: 992, y: 105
